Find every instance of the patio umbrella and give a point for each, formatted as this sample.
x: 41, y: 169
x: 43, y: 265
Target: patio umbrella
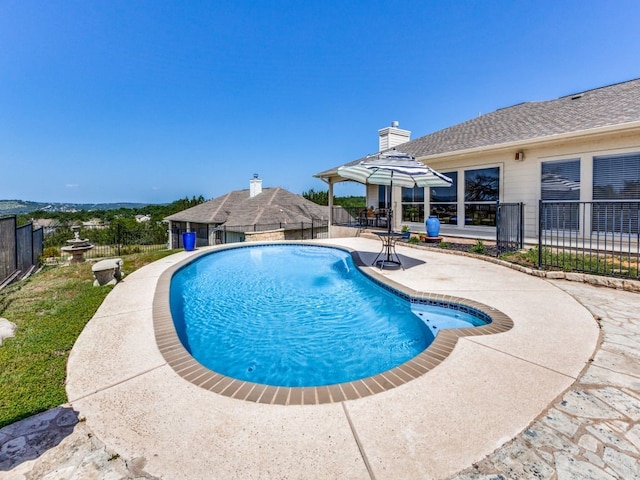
x: 394, y: 168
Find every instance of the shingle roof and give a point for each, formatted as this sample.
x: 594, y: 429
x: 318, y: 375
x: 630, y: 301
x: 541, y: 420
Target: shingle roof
x: 272, y: 205
x: 601, y: 107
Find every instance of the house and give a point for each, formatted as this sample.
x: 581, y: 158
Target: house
x: 249, y: 215
x: 583, y: 147
x: 48, y: 225
x: 93, y: 224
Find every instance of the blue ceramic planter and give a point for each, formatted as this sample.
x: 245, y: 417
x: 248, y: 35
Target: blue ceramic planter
x: 189, y: 241
x: 433, y: 226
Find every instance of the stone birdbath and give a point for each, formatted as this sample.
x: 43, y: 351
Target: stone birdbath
x: 77, y: 246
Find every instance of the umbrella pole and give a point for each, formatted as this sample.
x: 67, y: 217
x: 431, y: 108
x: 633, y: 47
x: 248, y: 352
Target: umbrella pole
x: 388, y: 239
x: 389, y: 209
x: 390, y: 219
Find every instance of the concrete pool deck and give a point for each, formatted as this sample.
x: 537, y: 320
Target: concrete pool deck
x: 491, y: 410
x: 488, y: 390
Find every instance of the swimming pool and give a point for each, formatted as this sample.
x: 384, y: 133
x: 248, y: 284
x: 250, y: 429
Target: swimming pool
x: 301, y: 315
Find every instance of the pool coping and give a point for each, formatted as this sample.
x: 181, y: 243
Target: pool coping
x: 187, y: 367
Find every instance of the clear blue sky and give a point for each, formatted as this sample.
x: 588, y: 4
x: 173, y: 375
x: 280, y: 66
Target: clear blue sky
x: 149, y: 101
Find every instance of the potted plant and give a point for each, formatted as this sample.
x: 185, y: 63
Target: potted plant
x: 405, y: 232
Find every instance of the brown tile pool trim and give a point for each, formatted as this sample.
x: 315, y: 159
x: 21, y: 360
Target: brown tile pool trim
x: 188, y: 368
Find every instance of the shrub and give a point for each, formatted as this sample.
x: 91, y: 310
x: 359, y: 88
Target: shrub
x: 479, y: 248
x: 50, y: 252
x: 413, y: 240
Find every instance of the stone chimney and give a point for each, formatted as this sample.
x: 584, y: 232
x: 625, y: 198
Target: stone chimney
x: 255, y: 186
x: 392, y: 136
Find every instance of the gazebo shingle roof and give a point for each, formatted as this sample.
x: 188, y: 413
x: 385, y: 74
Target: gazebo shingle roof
x: 236, y: 208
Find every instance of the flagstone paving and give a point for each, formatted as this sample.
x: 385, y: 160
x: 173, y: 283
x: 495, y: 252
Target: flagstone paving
x: 591, y: 432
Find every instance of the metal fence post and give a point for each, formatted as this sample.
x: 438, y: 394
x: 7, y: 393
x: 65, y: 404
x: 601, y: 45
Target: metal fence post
x: 498, y: 227
x: 15, y: 239
x: 118, y: 234
x: 540, y: 222
x: 521, y: 227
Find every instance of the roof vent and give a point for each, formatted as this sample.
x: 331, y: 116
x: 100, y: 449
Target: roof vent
x: 575, y: 97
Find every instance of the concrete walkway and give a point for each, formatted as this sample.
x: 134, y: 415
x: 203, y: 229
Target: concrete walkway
x: 152, y: 424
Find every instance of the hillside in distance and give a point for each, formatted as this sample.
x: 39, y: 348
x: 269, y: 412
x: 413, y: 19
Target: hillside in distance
x: 15, y: 207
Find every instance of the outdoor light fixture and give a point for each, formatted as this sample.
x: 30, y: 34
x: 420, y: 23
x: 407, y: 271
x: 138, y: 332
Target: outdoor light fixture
x: 519, y: 156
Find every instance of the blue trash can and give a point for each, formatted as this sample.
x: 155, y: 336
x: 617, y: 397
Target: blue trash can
x: 189, y: 241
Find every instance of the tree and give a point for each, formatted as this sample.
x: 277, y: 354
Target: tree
x: 322, y: 198
x: 319, y: 197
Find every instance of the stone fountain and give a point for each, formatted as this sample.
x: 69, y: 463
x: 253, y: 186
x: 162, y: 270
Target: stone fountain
x: 77, y: 246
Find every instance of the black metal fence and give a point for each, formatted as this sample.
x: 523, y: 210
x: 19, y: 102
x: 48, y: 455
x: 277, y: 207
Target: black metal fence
x: 509, y: 223
x: 600, y: 237
x: 110, y: 240
x: 212, y: 235
x: 20, y: 248
x: 360, y: 217
x: 509, y: 227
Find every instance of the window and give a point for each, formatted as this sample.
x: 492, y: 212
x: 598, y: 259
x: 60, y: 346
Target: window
x: 382, y: 196
x: 444, y: 201
x: 616, y: 177
x: 560, y: 183
x: 560, y: 180
x: 481, y: 192
x: 413, y: 204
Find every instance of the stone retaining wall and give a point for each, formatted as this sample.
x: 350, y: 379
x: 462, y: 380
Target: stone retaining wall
x: 265, y: 236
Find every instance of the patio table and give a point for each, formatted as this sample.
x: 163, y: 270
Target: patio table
x: 388, y: 250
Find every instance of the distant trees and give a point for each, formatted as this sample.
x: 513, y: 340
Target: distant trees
x: 319, y: 197
x: 350, y: 201
x: 120, y: 225
x: 322, y: 198
x: 156, y: 212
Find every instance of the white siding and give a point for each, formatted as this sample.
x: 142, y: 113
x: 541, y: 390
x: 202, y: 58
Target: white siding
x: 520, y: 180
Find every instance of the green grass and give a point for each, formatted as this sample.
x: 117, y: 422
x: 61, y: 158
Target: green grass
x: 50, y: 310
x: 604, y: 264
x: 479, y: 248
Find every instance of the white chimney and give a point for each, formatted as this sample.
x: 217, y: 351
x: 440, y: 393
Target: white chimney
x: 255, y: 186
x: 392, y: 136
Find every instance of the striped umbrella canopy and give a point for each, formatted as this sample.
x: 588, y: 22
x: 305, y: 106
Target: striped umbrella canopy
x: 394, y: 168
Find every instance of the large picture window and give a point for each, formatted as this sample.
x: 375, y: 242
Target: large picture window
x: 481, y: 192
x: 616, y: 177
x: 559, y: 184
x: 560, y: 180
x: 444, y: 201
x: 382, y: 196
x: 413, y: 204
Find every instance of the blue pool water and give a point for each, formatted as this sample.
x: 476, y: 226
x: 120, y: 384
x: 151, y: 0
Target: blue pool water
x: 297, y: 315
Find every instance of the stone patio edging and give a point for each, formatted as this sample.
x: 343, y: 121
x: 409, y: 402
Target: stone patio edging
x: 181, y: 361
